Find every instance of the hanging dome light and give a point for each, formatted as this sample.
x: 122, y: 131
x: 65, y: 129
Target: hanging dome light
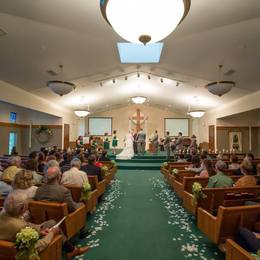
x: 81, y: 113
x: 61, y: 87
x: 144, y: 21
x: 138, y: 99
x: 220, y: 87
x: 196, y: 113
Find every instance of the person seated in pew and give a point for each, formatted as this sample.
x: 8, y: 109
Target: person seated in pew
x: 191, y: 154
x: 65, y: 164
x: 196, y: 165
x: 41, y: 162
x: 234, y: 165
x: 91, y: 169
x: 24, y: 181
x: 12, y: 169
x: 53, y: 191
x: 32, y: 165
x: 181, y: 158
x: 205, y: 155
x: 104, y: 157
x: 74, y: 176
x: 11, y: 222
x: 248, y: 179
x: 5, y: 188
x: 220, y: 179
x: 248, y: 160
x: 248, y: 240
x: 208, y: 169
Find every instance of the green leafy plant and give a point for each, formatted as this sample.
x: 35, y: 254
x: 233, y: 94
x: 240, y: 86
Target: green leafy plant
x: 25, y: 243
x: 175, y: 171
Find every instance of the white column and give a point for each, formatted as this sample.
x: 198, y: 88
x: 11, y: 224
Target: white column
x: 30, y: 135
x: 250, y: 138
x: 129, y: 124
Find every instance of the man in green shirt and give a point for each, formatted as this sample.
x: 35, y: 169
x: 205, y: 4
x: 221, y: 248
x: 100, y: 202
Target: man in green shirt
x: 220, y: 180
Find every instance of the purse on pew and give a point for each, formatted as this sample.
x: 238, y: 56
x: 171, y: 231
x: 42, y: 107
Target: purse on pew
x: 52, y: 252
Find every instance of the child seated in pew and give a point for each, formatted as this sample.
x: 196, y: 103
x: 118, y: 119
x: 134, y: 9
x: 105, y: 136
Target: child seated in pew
x: 220, y: 179
x: 181, y: 158
x: 248, y: 179
x: 208, y: 169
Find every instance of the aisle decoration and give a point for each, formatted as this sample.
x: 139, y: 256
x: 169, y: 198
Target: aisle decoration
x: 25, y: 243
x: 165, y: 165
x: 113, y: 162
x: 99, y: 222
x: 189, y: 239
x: 104, y: 169
x: 197, y: 192
x: 175, y: 171
x: 85, y: 191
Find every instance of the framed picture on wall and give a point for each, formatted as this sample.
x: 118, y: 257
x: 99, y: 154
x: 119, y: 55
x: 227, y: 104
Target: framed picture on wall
x: 235, y: 141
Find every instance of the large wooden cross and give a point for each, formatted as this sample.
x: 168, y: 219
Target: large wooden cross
x: 138, y: 119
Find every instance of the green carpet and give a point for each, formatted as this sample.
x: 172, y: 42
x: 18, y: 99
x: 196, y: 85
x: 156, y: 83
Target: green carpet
x: 142, y: 219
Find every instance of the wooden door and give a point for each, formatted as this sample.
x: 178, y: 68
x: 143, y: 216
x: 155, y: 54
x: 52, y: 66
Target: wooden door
x: 212, y: 137
x: 66, y: 135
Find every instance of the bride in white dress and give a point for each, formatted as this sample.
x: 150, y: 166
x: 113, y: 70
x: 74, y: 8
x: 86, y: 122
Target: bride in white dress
x: 128, y: 151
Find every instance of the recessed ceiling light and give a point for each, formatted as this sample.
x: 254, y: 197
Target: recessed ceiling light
x: 161, y: 80
x: 114, y: 81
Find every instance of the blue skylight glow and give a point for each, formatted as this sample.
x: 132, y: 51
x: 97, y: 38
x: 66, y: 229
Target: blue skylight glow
x: 139, y: 53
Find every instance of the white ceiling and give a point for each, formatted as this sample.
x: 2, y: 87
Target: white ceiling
x: 42, y: 34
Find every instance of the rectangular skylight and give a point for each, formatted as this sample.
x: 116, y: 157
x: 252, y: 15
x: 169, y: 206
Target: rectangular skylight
x: 139, y: 53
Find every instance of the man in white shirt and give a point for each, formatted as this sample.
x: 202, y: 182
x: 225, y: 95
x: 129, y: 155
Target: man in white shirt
x: 74, y: 176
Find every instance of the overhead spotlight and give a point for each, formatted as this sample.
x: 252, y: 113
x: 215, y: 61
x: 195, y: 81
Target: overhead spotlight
x: 126, y: 77
x: 177, y: 84
x: 101, y: 84
x: 114, y: 81
x: 138, y: 74
x: 161, y: 80
x: 149, y: 76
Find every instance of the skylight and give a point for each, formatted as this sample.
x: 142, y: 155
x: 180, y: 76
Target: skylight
x: 139, y: 53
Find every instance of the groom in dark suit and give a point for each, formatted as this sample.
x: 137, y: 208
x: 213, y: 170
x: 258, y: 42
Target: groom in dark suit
x: 135, y: 142
x: 141, y: 136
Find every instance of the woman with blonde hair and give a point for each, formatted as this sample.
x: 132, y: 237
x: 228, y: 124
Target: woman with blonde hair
x: 24, y: 181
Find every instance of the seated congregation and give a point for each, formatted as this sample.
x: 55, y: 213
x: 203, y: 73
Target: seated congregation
x: 45, y: 188
x: 222, y: 191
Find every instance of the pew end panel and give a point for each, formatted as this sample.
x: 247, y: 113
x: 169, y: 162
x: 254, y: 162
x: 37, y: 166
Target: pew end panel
x: 53, y: 250
x: 236, y: 252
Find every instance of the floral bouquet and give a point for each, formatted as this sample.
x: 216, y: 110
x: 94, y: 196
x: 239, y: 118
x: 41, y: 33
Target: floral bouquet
x: 165, y: 165
x: 113, y: 162
x: 85, y: 191
x: 197, y: 192
x: 25, y: 243
x: 175, y: 171
x: 104, y: 169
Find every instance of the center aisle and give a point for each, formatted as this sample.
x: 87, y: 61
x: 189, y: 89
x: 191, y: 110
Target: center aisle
x: 141, y: 219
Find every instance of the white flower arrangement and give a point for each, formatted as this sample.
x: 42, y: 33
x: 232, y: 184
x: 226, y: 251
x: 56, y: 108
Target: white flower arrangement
x: 85, y: 191
x: 175, y: 171
x: 197, y: 192
x: 165, y: 164
x: 25, y: 243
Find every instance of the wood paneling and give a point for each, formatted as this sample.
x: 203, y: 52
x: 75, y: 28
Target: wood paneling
x: 212, y: 137
x: 66, y: 141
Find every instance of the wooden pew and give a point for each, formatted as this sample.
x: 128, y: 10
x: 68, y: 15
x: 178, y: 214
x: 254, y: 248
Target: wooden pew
x: 215, y: 196
x: 236, y: 252
x: 227, y: 221
x: 52, y: 252
x: 90, y: 204
x: 99, y: 185
x: 44, y: 210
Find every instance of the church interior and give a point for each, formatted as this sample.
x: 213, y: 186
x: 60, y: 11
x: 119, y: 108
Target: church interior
x: 130, y: 129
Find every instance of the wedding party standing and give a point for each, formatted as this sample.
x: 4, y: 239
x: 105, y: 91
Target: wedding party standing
x: 155, y: 142
x: 128, y: 151
x: 114, y: 142
x: 167, y: 145
x: 141, y: 137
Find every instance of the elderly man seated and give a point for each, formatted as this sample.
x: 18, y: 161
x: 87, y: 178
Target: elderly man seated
x: 220, y: 179
x: 74, y: 176
x: 53, y: 191
x: 11, y: 222
x: 12, y: 169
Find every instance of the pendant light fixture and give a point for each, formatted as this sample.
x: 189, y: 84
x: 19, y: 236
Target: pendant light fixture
x: 138, y: 99
x: 61, y: 87
x: 220, y: 87
x: 144, y: 21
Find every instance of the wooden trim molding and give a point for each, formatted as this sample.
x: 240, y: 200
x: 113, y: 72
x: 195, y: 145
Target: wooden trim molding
x: 5, y: 124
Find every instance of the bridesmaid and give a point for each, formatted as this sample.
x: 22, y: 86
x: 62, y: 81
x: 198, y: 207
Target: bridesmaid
x: 114, y: 142
x: 106, y: 142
